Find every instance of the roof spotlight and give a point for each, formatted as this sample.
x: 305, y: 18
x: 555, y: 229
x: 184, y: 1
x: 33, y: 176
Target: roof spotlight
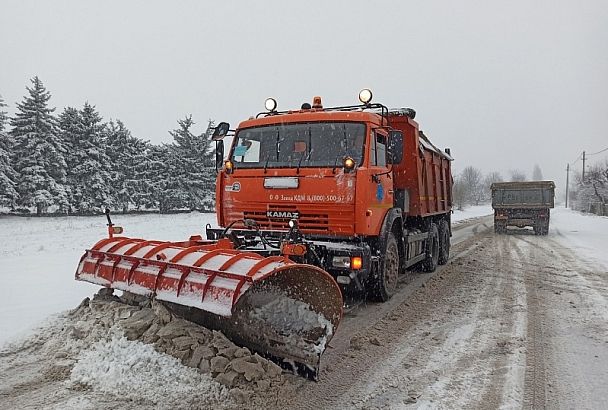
x: 365, y: 95
x: 270, y: 104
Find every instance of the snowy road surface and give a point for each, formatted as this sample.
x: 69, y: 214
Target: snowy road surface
x: 512, y: 321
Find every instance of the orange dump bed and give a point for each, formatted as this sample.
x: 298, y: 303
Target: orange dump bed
x: 425, y: 172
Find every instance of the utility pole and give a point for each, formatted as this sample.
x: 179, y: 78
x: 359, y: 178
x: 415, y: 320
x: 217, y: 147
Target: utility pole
x: 567, y: 183
x: 583, y: 167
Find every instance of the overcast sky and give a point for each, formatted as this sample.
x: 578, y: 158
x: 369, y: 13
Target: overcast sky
x: 504, y: 84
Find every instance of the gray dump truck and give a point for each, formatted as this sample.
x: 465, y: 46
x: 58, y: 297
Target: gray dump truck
x: 522, y: 204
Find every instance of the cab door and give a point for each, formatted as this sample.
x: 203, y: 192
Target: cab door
x: 375, y: 185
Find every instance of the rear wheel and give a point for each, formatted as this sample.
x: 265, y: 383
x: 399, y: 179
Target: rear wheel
x: 384, y: 282
x: 544, y: 228
x: 432, y: 250
x: 500, y: 227
x: 444, y: 242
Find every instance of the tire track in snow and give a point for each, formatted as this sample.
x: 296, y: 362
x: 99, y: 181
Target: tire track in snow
x: 535, y: 379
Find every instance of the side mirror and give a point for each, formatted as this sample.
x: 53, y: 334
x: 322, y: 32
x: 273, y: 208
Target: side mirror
x: 220, y: 131
x: 395, y: 147
x: 219, y: 154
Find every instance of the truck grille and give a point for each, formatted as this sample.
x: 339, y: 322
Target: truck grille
x: 308, y: 220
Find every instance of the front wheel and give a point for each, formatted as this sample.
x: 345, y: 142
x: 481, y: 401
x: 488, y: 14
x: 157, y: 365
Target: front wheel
x: 429, y: 264
x: 384, y: 282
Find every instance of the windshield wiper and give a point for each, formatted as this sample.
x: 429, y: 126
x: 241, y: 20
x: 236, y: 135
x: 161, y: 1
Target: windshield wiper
x: 300, y: 162
x: 333, y: 171
x: 301, y: 158
x: 277, y: 150
x: 344, y: 149
x: 266, y: 163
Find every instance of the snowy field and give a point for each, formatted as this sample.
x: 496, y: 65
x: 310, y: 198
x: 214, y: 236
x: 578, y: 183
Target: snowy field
x: 471, y: 212
x: 39, y: 255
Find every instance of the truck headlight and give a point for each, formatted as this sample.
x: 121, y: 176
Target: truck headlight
x: 347, y: 262
x: 341, y: 261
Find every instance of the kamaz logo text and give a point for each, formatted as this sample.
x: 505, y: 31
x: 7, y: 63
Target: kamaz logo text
x: 283, y: 214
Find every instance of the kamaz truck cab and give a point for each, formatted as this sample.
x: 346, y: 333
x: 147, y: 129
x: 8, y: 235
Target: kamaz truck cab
x: 349, y: 189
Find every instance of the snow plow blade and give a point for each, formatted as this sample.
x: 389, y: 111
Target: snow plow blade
x: 270, y: 304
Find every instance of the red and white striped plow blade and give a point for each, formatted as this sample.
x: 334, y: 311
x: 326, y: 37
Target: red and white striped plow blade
x: 214, y: 278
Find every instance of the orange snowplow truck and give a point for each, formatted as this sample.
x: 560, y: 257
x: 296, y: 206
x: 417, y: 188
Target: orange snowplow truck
x: 358, y: 191
x: 313, y: 204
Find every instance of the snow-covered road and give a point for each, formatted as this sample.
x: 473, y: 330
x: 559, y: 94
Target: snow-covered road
x: 513, y: 320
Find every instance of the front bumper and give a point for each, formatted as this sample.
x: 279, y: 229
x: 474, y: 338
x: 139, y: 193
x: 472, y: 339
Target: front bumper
x: 321, y: 252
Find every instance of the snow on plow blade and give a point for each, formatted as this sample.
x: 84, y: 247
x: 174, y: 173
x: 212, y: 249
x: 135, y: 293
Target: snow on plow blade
x: 271, y: 304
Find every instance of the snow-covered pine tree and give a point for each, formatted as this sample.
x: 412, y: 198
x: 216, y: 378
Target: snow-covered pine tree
x: 128, y: 158
x: 3, y: 114
x: 37, y: 152
x: 166, y: 181
x: 8, y: 194
x: 69, y: 131
x: 194, y: 163
x: 88, y: 164
x: 208, y: 164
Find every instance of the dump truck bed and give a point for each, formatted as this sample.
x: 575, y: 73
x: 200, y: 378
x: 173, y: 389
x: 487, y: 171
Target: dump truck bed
x: 424, y: 177
x: 531, y: 194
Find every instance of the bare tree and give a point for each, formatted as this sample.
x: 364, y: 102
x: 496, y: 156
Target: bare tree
x: 592, y: 194
x: 488, y: 181
x: 472, y: 178
x: 518, y: 175
x: 459, y: 193
x: 491, y: 178
x: 537, y: 174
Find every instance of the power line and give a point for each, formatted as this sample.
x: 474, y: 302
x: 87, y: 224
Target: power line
x: 599, y: 152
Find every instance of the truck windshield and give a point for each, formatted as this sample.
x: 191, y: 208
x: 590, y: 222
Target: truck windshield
x: 315, y: 144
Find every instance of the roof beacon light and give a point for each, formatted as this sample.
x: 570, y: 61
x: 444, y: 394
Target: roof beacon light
x: 270, y: 104
x: 365, y: 96
x: 316, y: 102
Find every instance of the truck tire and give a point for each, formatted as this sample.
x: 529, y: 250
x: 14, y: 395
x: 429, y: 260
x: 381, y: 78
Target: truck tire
x: 444, y: 242
x: 432, y: 250
x: 544, y: 228
x: 540, y: 227
x: 384, y: 283
x: 500, y: 227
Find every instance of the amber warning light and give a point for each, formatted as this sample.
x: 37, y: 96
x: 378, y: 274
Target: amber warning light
x: 229, y: 166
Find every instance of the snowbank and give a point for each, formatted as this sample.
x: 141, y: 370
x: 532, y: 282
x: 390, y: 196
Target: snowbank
x: 585, y: 233
x: 133, y: 370
x: 472, y: 212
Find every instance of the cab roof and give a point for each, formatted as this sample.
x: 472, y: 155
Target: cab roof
x: 313, y: 115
